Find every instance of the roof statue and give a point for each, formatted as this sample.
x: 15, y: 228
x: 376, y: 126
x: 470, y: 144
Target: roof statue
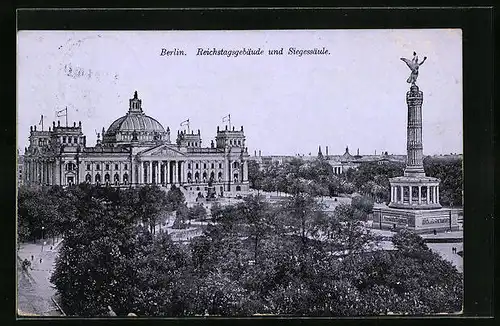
x: 413, y: 65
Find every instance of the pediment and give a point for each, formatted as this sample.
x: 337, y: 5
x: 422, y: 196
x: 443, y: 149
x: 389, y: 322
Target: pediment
x: 162, y: 151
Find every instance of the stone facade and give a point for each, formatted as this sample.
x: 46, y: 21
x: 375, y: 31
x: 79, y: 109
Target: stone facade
x: 136, y: 150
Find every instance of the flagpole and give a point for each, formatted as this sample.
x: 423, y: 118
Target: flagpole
x: 229, y: 121
x: 41, y: 119
x: 66, y: 116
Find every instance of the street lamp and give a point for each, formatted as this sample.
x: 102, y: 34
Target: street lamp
x: 42, y: 232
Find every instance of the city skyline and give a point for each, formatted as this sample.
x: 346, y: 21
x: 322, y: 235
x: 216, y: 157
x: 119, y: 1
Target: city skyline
x: 288, y: 105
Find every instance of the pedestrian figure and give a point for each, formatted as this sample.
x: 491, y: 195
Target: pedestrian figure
x: 32, y: 257
x: 40, y: 260
x: 50, y: 247
x: 434, y: 231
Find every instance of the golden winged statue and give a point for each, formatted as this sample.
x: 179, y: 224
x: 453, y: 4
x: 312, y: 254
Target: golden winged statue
x: 413, y: 65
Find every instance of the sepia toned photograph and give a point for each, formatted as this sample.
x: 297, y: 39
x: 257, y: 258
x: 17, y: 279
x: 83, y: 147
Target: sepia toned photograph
x: 299, y: 173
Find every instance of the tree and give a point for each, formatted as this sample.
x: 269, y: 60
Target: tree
x: 409, y: 242
x: 255, y: 175
x: 350, y: 234
x: 258, y: 217
x: 450, y: 171
x: 363, y: 206
x: 181, y: 215
x: 91, y: 269
x: 152, y: 202
x: 197, y: 212
x: 37, y: 213
x: 174, y: 198
x: 303, y: 216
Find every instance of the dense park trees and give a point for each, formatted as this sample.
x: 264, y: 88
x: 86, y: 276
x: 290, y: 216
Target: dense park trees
x: 50, y: 211
x: 369, y: 179
x: 253, y: 258
x: 449, y: 170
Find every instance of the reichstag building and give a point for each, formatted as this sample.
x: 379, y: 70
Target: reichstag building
x: 136, y: 150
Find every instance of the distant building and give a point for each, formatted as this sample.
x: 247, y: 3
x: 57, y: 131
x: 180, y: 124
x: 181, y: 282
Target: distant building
x: 339, y: 163
x: 136, y: 150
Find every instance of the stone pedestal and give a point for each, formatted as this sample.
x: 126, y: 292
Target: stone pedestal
x: 419, y: 221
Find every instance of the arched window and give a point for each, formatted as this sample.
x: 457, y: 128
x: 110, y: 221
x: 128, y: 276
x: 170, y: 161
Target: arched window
x: 238, y: 188
x: 117, y: 177
x: 106, y: 177
x: 88, y: 178
x: 197, y: 176
x: 189, y: 177
x: 235, y: 177
x: 212, y: 175
x: 239, y: 142
x: 204, y: 174
x: 212, y: 165
x: 98, y: 178
x: 236, y: 165
x: 125, y: 178
x: 204, y: 165
x: 220, y: 176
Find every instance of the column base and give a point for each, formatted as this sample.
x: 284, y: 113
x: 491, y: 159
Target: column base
x: 416, y: 206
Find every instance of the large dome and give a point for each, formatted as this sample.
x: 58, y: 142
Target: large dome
x: 137, y: 122
x: 135, y: 127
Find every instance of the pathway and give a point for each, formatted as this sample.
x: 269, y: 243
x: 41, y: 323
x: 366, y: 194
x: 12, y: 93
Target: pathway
x: 35, y: 292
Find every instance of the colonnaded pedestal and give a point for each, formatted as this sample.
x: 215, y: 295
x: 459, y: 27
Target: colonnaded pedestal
x: 414, y: 196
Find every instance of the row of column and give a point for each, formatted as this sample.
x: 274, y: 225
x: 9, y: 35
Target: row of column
x: 38, y: 172
x: 151, y: 172
x: 337, y: 170
x: 174, y: 172
x: 432, y: 194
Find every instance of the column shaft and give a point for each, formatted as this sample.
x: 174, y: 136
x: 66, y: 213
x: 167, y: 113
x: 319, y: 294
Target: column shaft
x: 174, y: 168
x: 168, y: 172
x: 150, y: 171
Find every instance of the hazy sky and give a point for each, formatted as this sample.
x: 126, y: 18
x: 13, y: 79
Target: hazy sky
x: 288, y: 104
